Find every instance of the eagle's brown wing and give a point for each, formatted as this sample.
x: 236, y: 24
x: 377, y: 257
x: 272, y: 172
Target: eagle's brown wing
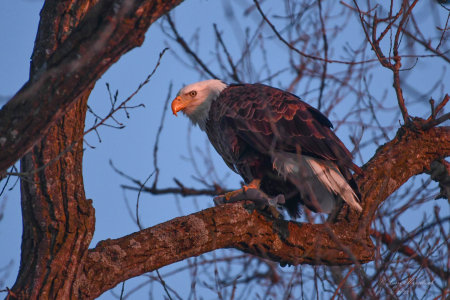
x: 269, y: 119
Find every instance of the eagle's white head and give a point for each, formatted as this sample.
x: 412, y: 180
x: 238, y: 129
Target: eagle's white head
x: 195, y: 100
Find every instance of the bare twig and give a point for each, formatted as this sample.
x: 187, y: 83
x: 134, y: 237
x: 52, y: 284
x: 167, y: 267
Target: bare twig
x: 155, y: 149
x: 188, y: 50
x: 138, y: 197
x: 234, y: 73
x: 342, y: 283
x: 432, y: 121
x: 181, y: 190
x: 325, y: 49
x: 397, y: 245
x: 424, y: 43
x: 123, y: 289
x: 163, y: 284
x: 381, y: 59
x: 94, y: 128
x: 443, y: 31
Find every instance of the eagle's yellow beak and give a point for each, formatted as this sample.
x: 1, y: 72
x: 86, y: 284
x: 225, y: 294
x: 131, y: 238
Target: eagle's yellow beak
x: 177, y: 105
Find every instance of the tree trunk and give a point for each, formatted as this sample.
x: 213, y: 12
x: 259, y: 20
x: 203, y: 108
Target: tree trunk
x: 58, y: 220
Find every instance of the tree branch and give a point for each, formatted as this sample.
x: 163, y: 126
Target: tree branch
x: 109, y: 30
x: 410, y: 153
x: 239, y: 226
x: 228, y: 226
x: 395, y: 245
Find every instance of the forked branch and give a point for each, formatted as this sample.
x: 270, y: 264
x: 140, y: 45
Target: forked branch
x: 239, y: 226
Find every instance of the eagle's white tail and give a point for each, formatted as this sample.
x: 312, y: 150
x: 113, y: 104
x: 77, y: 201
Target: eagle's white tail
x: 319, y: 179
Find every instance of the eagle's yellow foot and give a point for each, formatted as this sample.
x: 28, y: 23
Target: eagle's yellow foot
x: 232, y: 194
x: 252, y: 185
x: 254, y: 194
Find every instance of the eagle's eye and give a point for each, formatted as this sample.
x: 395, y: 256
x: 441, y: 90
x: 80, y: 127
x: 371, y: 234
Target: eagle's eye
x: 193, y: 93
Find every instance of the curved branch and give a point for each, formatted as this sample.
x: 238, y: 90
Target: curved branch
x: 238, y: 226
x: 410, y: 153
x: 109, y: 30
x: 228, y: 226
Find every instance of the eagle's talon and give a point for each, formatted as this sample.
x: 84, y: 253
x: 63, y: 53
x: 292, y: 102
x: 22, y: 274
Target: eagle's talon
x: 260, y: 199
x: 232, y: 194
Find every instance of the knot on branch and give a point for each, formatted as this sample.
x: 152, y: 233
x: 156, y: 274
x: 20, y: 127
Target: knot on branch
x: 440, y: 172
x: 432, y: 121
x: 417, y: 124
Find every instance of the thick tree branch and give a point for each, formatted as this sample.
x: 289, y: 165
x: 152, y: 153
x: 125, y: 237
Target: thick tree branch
x: 410, y: 153
x: 58, y: 220
x: 228, y: 226
x: 238, y: 226
x: 109, y: 30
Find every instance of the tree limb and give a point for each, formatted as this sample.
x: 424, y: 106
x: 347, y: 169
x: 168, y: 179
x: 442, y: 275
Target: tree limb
x: 108, y: 30
x: 228, y: 226
x: 238, y: 226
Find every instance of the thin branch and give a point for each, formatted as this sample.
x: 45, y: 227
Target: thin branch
x: 432, y: 121
x: 181, y: 190
x: 234, y: 74
x: 163, y: 284
x: 123, y: 289
x: 342, y: 283
x: 443, y: 31
x: 188, y: 50
x: 137, y: 202
x: 155, y: 149
x: 325, y: 49
x: 320, y: 58
x: 396, y: 245
x: 442, y: 104
x: 94, y: 128
x: 426, y: 44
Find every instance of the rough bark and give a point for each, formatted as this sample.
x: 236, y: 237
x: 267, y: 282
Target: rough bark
x: 107, y: 31
x: 228, y: 226
x: 58, y: 220
x: 410, y: 153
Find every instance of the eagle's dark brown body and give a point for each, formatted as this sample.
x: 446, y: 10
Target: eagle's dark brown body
x: 249, y: 122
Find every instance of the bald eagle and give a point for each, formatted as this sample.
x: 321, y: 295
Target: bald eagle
x: 283, y: 148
